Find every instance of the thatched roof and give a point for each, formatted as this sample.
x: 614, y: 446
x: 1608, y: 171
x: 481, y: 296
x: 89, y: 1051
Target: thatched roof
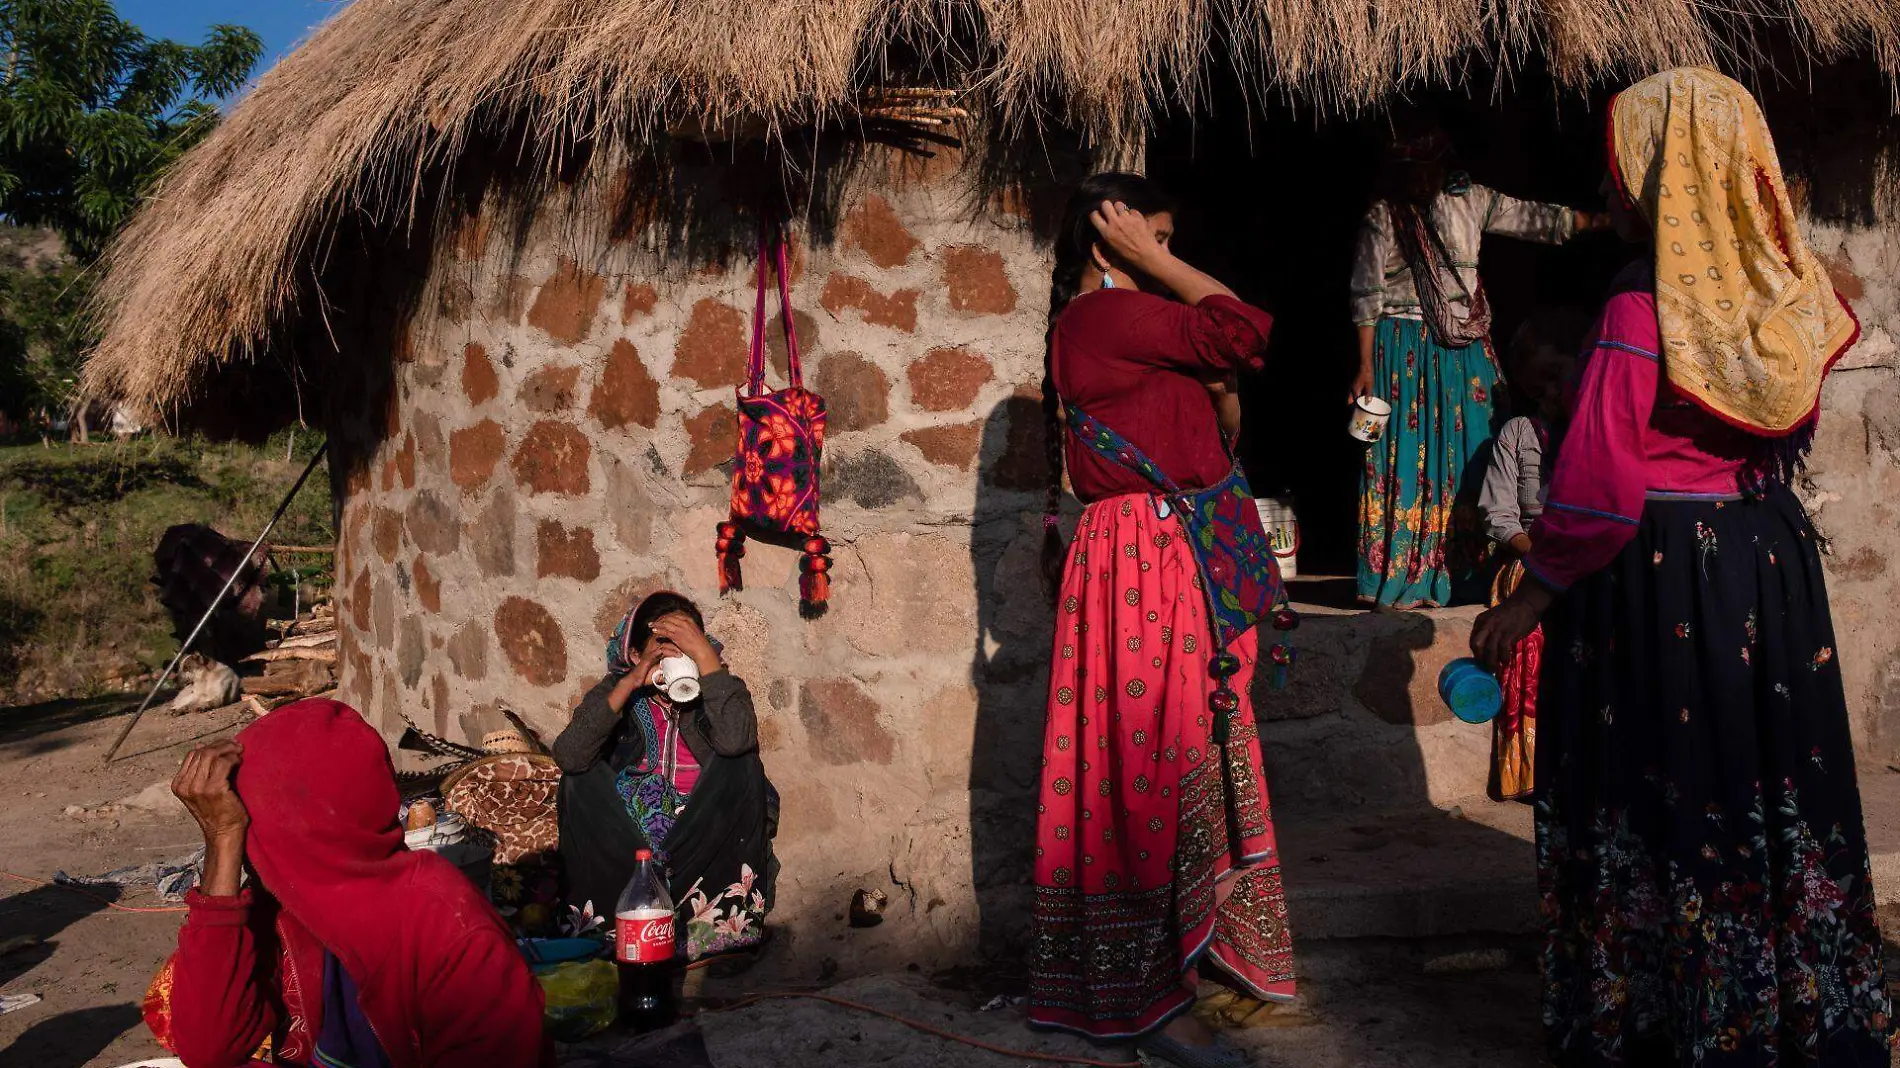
x: 388, y: 91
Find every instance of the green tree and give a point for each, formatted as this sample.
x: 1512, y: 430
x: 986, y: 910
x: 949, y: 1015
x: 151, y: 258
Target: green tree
x: 92, y: 112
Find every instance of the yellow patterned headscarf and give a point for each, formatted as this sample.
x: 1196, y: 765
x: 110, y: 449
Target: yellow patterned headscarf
x: 1750, y: 322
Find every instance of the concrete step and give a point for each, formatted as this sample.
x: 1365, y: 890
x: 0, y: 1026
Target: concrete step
x: 1466, y: 869
x: 1361, y: 724
x: 1419, y: 873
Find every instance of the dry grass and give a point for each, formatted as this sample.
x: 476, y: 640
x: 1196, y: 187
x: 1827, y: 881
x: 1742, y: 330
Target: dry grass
x: 389, y: 89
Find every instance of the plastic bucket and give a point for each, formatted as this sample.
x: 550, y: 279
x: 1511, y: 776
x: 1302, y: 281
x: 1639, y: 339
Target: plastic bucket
x: 1283, y: 533
x: 1471, y: 692
x: 1369, y: 417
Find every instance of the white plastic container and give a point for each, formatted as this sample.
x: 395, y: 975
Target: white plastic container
x: 1283, y: 533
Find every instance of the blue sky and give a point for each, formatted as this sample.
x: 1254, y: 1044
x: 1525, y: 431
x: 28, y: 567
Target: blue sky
x: 282, y: 23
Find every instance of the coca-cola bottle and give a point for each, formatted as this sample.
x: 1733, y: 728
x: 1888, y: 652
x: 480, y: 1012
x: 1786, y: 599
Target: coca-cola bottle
x: 644, y: 947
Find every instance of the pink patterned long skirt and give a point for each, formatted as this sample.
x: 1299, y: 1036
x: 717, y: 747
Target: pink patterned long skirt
x: 1154, y: 842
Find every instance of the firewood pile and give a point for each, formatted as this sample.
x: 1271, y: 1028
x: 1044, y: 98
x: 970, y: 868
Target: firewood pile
x: 300, y: 663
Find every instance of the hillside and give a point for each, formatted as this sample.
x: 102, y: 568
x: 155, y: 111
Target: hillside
x: 78, y: 523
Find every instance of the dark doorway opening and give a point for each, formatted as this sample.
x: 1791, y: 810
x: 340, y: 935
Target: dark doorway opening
x: 1273, y: 197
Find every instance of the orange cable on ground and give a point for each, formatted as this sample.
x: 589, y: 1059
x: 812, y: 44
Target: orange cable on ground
x: 95, y: 897
x: 1050, y: 1058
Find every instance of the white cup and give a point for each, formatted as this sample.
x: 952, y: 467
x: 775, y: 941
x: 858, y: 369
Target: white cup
x: 678, y: 678
x: 1369, y: 417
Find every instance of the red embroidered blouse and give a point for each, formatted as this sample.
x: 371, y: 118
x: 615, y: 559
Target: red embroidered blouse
x: 1135, y: 361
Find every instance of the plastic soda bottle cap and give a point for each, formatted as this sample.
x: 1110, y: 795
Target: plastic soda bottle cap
x: 643, y: 854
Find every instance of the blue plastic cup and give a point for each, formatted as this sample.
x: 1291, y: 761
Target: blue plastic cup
x: 1471, y: 692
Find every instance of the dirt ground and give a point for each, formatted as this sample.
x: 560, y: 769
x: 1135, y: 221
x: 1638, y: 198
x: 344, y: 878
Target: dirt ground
x: 1442, y: 1003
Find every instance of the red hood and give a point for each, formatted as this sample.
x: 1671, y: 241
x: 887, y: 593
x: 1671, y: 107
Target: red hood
x: 324, y: 837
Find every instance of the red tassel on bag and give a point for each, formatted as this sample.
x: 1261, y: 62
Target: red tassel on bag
x: 814, y: 585
x: 731, y: 551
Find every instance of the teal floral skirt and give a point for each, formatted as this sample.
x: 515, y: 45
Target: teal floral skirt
x: 1700, y: 848
x: 1420, y: 539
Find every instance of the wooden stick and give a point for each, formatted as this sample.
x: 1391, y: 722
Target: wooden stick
x: 308, y: 641
x: 185, y: 647
x: 272, y: 656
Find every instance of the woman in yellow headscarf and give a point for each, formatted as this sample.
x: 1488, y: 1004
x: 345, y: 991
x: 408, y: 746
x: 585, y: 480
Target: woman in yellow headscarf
x: 1699, y: 836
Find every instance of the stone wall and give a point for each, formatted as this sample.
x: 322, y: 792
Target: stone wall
x: 1852, y: 486
x: 557, y: 447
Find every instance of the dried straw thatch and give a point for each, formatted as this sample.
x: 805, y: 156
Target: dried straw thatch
x: 391, y: 90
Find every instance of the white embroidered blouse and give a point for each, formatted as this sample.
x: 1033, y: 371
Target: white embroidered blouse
x: 1381, y: 280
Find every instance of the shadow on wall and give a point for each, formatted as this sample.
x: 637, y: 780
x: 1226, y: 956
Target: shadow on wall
x: 1009, y: 670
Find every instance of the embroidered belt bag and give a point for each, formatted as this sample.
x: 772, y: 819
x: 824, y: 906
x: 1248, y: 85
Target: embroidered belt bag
x: 1230, y: 546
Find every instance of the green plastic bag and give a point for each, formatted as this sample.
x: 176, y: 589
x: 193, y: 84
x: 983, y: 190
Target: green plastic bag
x: 582, y: 998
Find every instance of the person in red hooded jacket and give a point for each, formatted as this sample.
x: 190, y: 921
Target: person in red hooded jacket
x: 347, y: 949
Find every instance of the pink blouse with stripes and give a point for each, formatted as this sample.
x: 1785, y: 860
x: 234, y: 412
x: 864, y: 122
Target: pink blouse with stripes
x: 1631, y: 438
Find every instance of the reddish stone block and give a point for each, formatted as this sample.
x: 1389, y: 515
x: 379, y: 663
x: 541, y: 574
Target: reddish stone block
x: 898, y: 311
x: 1841, y: 273
x: 439, y: 689
x: 713, y: 435
x: 712, y: 349
x: 874, y: 228
x: 351, y: 543
x: 841, y: 724
x: 386, y: 533
x: 638, y: 302
x: 406, y: 462
x: 976, y: 281
x: 479, y: 381
x: 566, y: 305
x: 433, y: 525
x: 626, y: 393
x: 949, y: 446
x: 471, y: 237
x: 473, y: 453
x: 532, y: 641
x: 949, y: 379
x: 567, y: 553
x: 552, y: 458
x: 857, y: 395
x: 360, y: 602
x: 550, y: 389
x: 428, y: 587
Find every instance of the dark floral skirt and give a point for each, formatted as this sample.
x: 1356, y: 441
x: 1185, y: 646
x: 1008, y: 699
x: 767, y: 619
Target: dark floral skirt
x: 1699, y: 840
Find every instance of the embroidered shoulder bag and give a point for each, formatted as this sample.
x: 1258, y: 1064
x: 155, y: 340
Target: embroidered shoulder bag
x: 781, y: 446
x: 1237, y: 570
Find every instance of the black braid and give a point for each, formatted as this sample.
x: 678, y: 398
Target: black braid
x: 1075, y: 245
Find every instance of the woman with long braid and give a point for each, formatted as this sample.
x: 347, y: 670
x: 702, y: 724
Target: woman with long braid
x: 1155, y: 851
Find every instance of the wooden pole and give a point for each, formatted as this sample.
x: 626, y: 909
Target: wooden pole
x: 216, y: 601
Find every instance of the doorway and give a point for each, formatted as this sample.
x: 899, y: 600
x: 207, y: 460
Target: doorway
x: 1272, y: 198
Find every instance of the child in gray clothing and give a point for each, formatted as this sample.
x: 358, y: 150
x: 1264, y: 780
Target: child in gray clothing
x: 1512, y: 497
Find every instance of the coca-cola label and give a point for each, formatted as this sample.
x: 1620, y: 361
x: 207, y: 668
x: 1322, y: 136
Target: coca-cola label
x: 644, y: 936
